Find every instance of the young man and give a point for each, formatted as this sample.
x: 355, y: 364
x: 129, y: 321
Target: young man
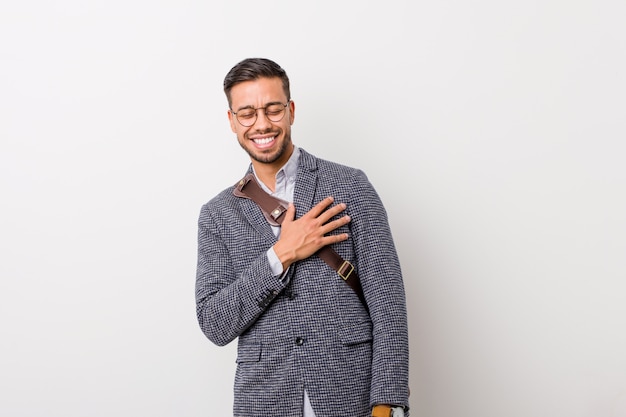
x: 308, y: 344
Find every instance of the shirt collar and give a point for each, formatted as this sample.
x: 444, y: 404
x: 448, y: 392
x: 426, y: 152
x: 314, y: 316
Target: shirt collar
x: 288, y: 171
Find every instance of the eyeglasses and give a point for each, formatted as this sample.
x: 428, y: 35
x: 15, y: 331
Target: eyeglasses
x: 273, y: 111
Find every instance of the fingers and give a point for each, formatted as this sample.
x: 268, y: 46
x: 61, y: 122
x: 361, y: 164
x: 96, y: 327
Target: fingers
x: 319, y: 216
x: 320, y: 207
x: 331, y: 212
x: 330, y: 239
x: 290, y: 213
x: 319, y: 210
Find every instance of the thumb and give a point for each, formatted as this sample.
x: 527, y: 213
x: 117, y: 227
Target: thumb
x: 290, y: 213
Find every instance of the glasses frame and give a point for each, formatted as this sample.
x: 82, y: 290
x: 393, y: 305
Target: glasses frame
x: 256, y: 113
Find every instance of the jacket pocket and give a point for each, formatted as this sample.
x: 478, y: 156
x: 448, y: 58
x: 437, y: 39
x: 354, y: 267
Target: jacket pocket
x: 356, y: 333
x: 249, y: 353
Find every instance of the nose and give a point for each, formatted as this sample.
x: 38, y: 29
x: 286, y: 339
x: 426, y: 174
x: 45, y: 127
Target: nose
x: 261, y: 119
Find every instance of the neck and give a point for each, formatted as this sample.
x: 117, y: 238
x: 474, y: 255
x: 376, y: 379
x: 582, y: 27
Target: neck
x: 267, y: 171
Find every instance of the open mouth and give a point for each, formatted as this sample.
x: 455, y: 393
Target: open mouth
x: 264, y: 142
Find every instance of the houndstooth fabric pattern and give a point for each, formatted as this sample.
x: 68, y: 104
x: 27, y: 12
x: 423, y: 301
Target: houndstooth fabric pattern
x: 312, y: 333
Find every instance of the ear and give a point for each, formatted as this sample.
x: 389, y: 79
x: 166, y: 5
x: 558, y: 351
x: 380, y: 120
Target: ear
x: 292, y: 111
x: 231, y: 119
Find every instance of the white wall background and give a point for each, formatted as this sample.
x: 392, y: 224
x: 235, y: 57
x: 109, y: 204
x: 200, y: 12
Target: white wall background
x: 494, y: 131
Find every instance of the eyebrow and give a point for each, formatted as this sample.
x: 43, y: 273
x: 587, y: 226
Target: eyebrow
x: 249, y: 106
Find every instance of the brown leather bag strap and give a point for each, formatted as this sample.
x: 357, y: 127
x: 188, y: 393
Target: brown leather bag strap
x: 274, y: 209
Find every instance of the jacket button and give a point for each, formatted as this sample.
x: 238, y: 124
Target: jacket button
x: 299, y: 341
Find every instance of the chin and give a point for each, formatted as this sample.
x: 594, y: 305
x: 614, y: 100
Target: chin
x: 266, y: 158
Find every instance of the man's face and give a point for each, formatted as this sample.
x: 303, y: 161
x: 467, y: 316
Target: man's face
x: 265, y: 141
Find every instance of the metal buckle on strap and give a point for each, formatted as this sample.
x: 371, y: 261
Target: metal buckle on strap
x: 242, y: 183
x: 277, y: 212
x: 349, y: 268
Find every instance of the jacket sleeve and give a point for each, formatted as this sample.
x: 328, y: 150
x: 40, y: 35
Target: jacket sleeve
x: 382, y: 282
x: 229, y: 302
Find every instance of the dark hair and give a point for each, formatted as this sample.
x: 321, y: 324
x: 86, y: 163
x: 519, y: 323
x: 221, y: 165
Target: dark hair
x: 252, y: 69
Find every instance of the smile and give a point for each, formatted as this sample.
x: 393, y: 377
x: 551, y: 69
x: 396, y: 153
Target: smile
x: 264, y: 141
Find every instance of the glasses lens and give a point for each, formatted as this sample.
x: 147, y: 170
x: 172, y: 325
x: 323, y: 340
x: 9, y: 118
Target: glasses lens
x: 275, y: 112
x: 246, y: 117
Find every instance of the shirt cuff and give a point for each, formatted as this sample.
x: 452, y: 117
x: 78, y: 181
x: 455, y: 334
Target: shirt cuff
x: 277, y: 266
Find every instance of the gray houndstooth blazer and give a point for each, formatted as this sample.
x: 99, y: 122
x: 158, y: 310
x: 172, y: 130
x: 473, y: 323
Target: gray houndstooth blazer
x: 312, y: 333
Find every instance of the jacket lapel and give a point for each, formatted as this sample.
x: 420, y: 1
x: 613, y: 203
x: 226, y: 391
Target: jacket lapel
x: 306, y: 183
x: 255, y: 217
x: 253, y: 214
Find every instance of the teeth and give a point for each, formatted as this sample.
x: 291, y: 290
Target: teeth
x: 263, y: 141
